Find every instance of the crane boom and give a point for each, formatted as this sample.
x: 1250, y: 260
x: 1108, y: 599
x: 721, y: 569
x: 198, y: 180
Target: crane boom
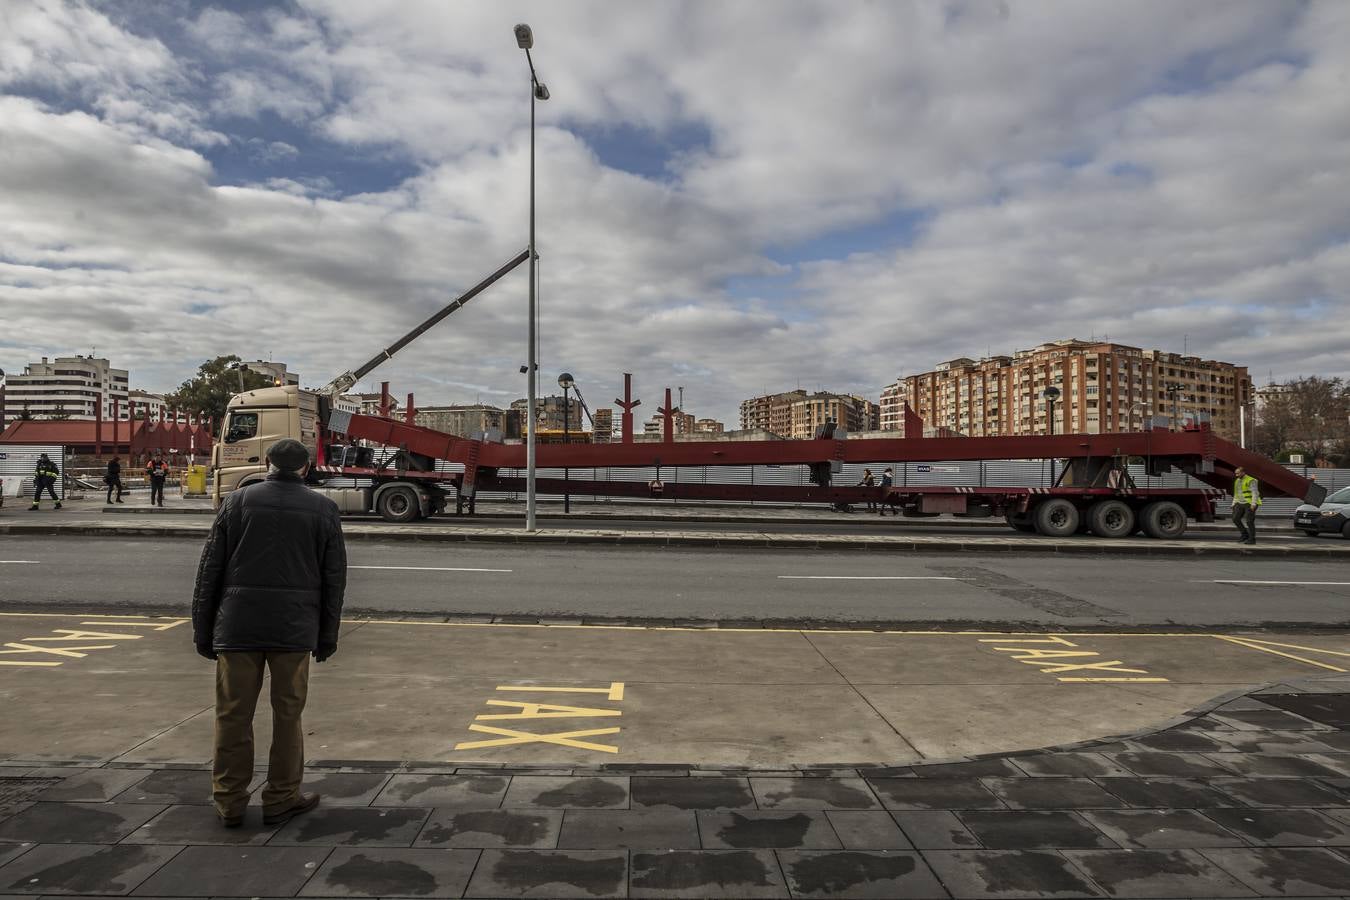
x: 346, y: 380
x: 584, y: 408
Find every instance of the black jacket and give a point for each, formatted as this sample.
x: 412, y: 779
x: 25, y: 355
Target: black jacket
x: 114, y: 471
x: 273, y: 571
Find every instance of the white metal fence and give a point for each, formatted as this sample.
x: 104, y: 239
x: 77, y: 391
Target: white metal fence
x: 17, y: 463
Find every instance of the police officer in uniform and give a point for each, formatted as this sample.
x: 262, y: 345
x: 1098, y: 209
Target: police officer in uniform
x: 1246, y: 500
x: 44, y: 479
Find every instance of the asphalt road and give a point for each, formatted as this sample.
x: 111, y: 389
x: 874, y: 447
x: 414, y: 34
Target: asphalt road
x: 155, y: 574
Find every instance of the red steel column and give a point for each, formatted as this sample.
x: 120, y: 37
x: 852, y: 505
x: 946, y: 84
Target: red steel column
x: 384, y: 399
x: 409, y: 413
x: 98, y: 427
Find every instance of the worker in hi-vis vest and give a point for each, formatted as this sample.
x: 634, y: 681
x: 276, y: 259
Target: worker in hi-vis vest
x: 1246, y: 499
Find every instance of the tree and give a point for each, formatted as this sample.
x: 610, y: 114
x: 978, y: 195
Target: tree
x: 1311, y: 415
x: 210, y: 390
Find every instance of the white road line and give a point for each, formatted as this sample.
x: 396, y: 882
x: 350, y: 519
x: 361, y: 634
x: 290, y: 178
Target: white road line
x: 871, y: 577
x: 428, y: 569
x: 18, y: 562
x: 1243, y: 581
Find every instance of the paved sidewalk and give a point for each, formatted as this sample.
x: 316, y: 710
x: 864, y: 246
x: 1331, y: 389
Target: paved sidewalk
x: 1245, y: 797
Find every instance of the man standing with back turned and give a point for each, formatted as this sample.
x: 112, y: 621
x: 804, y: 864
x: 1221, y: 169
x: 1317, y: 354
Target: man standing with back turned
x: 1246, y: 500
x: 269, y: 593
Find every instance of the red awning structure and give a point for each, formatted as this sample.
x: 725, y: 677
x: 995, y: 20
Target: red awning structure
x: 109, y: 438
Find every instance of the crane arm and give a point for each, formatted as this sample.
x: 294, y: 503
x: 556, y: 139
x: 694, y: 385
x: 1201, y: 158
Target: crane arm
x: 346, y: 380
x: 584, y: 408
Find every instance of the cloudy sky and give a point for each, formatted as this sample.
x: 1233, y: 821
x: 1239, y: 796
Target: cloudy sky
x: 736, y: 197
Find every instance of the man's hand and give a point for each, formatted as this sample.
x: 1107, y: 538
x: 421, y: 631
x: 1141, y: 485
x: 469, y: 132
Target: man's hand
x: 323, y: 651
x: 204, y: 650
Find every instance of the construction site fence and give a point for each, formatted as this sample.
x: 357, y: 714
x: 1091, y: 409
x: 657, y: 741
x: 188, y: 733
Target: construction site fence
x: 963, y: 473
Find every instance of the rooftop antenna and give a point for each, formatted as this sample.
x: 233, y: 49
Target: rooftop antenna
x: 1185, y: 344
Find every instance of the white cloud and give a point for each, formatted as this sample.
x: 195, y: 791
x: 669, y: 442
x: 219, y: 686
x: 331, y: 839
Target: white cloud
x: 1161, y: 174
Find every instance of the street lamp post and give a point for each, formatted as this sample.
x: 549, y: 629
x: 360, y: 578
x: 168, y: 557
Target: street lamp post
x: 525, y: 40
x: 565, y: 381
x: 1174, y: 389
x: 1051, y: 393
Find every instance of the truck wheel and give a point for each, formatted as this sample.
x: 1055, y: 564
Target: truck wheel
x: 1345, y: 531
x: 1056, y: 517
x: 398, y: 504
x: 1111, y: 519
x: 1020, y: 522
x: 1164, y: 519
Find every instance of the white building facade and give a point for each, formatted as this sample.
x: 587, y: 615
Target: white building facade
x: 68, y: 387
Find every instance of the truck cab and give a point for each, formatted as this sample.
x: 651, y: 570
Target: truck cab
x: 254, y: 421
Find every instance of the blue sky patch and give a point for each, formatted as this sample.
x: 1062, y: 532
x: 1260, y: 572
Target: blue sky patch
x: 642, y: 151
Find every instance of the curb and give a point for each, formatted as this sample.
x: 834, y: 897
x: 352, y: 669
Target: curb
x: 1083, y: 546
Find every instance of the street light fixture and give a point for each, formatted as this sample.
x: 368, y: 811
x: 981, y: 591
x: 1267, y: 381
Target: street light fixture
x: 1051, y: 394
x: 538, y: 91
x: 566, y: 382
x: 1174, y: 389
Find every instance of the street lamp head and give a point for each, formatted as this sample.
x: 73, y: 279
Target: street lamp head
x: 1050, y: 393
x: 565, y: 381
x: 540, y: 91
x: 524, y: 36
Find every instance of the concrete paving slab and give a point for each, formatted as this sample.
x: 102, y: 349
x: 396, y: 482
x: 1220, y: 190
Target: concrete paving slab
x: 629, y: 829
x: 569, y: 792
x: 1156, y: 873
x: 235, y: 872
x: 855, y: 873
x: 691, y: 793
x: 550, y: 873
x: 372, y: 872
x: 492, y: 828
x: 63, y: 869
x: 1009, y: 873
x: 934, y: 829
x: 730, y: 830
x: 93, y: 785
x: 813, y: 793
x: 12, y: 850
x: 74, y: 823
x: 343, y: 789
x: 1167, y: 793
x: 1032, y: 829
x: 341, y: 826
x: 867, y: 829
x: 1086, y: 765
x: 458, y: 791
x: 198, y: 824
x: 706, y: 873
x: 934, y: 793
x: 1284, y: 827
x: 1313, y: 872
x: 1279, y: 792
x: 1161, y: 829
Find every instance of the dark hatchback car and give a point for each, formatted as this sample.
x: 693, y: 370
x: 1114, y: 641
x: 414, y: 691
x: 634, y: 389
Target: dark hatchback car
x: 1332, y: 517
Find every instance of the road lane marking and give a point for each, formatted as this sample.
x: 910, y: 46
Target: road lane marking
x: 1252, y: 644
x: 1246, y: 581
x: 871, y: 577
x: 428, y: 569
x: 19, y: 562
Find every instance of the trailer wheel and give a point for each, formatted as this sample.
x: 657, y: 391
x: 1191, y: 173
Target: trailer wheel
x: 1020, y: 522
x: 1056, y: 517
x: 398, y: 504
x: 1164, y: 519
x: 1111, y: 519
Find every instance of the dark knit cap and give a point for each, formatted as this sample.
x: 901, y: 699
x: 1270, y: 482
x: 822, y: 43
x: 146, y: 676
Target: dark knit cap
x: 288, y: 454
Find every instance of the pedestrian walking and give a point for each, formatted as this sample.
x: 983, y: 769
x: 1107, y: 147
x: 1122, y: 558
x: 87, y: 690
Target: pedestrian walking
x: 113, y: 479
x: 268, y: 594
x: 158, y: 472
x: 45, y: 476
x: 1246, y: 500
x: 887, y: 479
x: 869, y: 480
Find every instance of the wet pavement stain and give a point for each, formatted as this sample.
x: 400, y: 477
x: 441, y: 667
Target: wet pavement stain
x: 822, y: 790
x: 477, y: 784
x: 747, y: 832
x: 1133, y: 865
x: 691, y: 869
x: 94, y: 874
x: 382, y: 877
x: 831, y: 873
x: 512, y: 828
x: 65, y: 822
x: 1267, y: 824
x: 584, y: 793
x: 1009, y: 588
x: 356, y: 824
x: 1029, y: 871
x: 692, y: 793
x: 1308, y: 866
x: 526, y: 869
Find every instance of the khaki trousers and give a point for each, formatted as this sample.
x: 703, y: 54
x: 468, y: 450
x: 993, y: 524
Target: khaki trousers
x: 239, y: 678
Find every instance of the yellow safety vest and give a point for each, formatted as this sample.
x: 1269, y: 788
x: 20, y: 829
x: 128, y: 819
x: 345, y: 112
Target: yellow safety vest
x: 1246, y: 490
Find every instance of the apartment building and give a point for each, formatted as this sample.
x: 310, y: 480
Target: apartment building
x: 848, y: 411
x: 771, y: 412
x: 68, y: 387
x: 1104, y: 387
x: 148, y: 405
x: 551, y: 413
x: 709, y: 426
x: 465, y: 420
x: 276, y: 371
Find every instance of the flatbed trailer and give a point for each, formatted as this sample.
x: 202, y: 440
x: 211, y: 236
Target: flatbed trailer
x: 1093, y: 491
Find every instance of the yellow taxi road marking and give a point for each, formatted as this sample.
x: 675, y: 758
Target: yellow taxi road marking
x: 561, y: 738
x: 613, y: 692
x: 37, y: 646
x: 429, y: 569
x: 1237, y: 580
x: 1057, y: 662
x: 529, y: 709
x: 1295, y: 646
x: 1312, y: 662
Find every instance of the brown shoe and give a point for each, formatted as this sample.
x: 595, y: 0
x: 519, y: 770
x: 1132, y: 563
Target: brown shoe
x: 303, y: 804
x: 230, y: 821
